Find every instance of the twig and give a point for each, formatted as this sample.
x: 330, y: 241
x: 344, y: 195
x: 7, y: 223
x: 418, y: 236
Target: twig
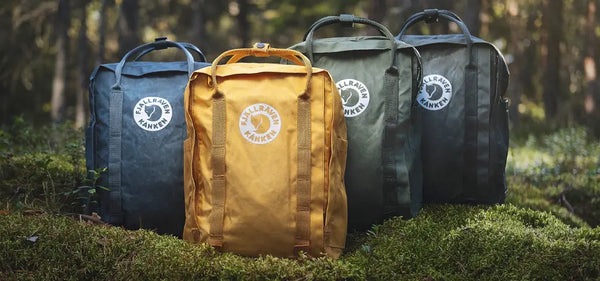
x: 82, y: 217
x: 565, y: 202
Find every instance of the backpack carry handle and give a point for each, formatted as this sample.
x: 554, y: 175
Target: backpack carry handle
x: 237, y: 57
x: 433, y: 15
x: 262, y: 50
x: 157, y: 45
x: 471, y: 82
x: 348, y: 20
x: 188, y: 46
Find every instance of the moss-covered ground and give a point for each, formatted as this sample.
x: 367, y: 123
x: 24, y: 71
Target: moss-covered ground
x: 546, y: 231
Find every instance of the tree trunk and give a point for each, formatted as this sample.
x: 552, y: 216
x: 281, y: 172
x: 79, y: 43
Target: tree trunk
x: 515, y: 89
x: 530, y: 65
x: 471, y: 16
x: 552, y: 23
x: 377, y: 11
x: 525, y: 66
x: 80, y: 112
x: 417, y: 5
x: 591, y: 100
x: 59, y: 81
x: 102, y: 32
x: 243, y: 24
x: 129, y: 36
x: 198, y: 30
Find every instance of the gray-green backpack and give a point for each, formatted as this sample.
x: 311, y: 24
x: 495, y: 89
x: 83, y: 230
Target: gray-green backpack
x: 378, y: 78
x: 463, y: 113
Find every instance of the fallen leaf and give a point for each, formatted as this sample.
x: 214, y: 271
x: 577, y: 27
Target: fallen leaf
x: 103, y: 241
x: 32, y: 212
x: 4, y: 212
x: 95, y: 215
x: 32, y: 239
x: 93, y: 219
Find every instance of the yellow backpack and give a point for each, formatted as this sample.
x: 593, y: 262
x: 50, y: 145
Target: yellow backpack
x: 265, y: 157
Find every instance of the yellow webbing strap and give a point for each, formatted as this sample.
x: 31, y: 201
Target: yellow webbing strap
x: 303, y: 187
x: 218, y: 166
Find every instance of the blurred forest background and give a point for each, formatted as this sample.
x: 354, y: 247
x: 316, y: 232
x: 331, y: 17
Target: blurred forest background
x: 548, y: 229
x: 49, y: 48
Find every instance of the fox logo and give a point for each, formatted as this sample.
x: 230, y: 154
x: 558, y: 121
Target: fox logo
x: 355, y: 96
x: 349, y: 96
x: 152, y: 113
x: 260, y: 123
x: 257, y: 124
x: 435, y: 93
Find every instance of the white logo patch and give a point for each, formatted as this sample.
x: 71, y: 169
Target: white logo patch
x: 260, y: 123
x: 355, y: 96
x: 435, y: 93
x: 152, y: 113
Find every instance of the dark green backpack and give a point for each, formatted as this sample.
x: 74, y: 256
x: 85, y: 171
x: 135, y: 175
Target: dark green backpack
x: 463, y: 112
x: 378, y: 78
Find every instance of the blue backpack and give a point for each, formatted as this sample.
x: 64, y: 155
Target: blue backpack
x: 137, y: 128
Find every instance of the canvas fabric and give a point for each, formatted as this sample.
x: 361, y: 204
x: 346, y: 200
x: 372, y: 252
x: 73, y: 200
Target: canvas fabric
x: 265, y: 157
x: 464, y: 114
x: 378, y: 78
x: 137, y: 128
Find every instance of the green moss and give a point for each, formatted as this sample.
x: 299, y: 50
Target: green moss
x: 526, y: 195
x: 39, y: 180
x: 39, y: 166
x: 559, y: 173
x: 481, y: 243
x: 69, y: 250
x: 542, y: 234
x: 443, y: 242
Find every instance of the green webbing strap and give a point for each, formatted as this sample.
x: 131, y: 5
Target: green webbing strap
x: 114, y: 156
x: 390, y: 90
x: 470, y: 178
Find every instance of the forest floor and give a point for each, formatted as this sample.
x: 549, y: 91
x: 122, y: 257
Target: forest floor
x: 547, y: 230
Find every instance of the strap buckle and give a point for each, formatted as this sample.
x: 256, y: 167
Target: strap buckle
x: 431, y: 15
x: 347, y: 20
x: 159, y: 43
x: 261, y: 49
